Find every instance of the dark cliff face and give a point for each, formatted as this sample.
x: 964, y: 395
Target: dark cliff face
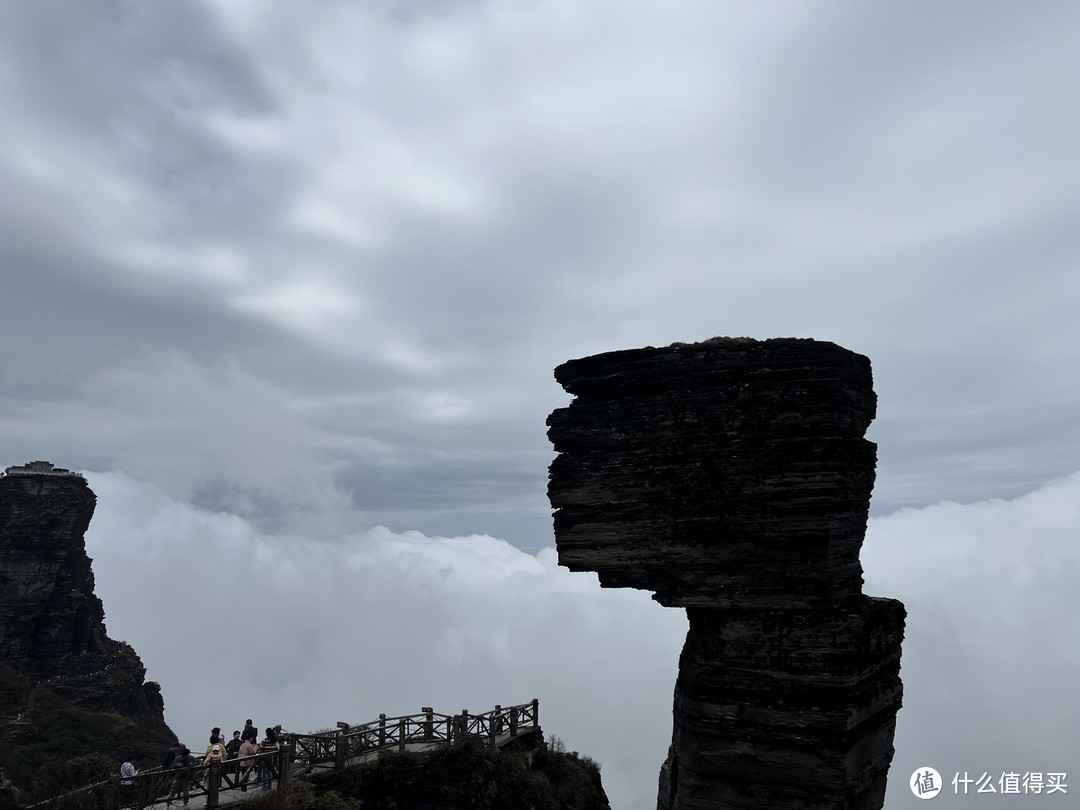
x: 731, y: 477
x: 51, y: 623
x: 69, y: 689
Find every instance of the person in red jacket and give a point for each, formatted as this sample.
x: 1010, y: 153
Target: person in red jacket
x: 266, y: 765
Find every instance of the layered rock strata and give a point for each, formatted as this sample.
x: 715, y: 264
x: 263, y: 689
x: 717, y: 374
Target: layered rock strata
x: 68, y: 689
x: 732, y: 478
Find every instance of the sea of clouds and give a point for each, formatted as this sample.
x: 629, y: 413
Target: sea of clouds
x: 236, y: 623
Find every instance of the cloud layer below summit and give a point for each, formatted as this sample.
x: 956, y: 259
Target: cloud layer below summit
x: 285, y: 629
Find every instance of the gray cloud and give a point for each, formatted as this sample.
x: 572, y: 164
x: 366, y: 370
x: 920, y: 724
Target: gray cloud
x: 492, y: 624
x: 987, y: 665
x: 401, y: 222
x: 377, y: 621
x: 314, y: 268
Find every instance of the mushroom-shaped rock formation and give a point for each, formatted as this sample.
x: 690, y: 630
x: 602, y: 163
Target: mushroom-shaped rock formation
x: 732, y: 478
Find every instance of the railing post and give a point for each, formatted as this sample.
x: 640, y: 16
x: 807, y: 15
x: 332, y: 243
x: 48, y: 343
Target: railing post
x: 464, y: 723
x: 401, y: 734
x: 382, y: 730
x: 536, y: 713
x: 429, y: 725
x: 339, y: 750
x: 513, y: 721
x: 213, y: 784
x: 283, y: 767
x: 492, y: 724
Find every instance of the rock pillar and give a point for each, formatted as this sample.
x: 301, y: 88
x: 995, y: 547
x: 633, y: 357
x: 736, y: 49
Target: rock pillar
x: 732, y: 478
x: 69, y: 689
x: 51, y: 623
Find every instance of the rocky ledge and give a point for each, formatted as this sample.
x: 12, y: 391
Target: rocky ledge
x: 732, y: 478
x: 68, y: 689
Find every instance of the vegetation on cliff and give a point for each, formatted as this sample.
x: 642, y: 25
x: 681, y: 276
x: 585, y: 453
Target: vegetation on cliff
x: 63, y: 735
x: 470, y: 775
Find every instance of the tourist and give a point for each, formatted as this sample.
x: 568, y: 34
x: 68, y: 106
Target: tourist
x: 182, y: 782
x: 128, y: 771
x: 215, y: 739
x: 266, y: 765
x: 215, y: 756
x: 248, y: 749
x: 170, y: 755
x: 232, y: 747
x: 250, y: 732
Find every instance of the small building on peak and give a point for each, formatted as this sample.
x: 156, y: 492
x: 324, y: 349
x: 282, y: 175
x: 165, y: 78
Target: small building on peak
x: 39, y: 468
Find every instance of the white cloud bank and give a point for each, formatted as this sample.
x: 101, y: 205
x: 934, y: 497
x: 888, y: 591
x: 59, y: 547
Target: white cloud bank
x: 238, y: 624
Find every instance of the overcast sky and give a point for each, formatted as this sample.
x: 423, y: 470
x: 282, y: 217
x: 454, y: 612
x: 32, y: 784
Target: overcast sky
x: 304, y: 270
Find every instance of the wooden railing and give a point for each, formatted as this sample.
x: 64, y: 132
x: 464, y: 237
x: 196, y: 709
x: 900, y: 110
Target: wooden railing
x: 157, y: 785
x: 333, y: 749
x: 330, y: 750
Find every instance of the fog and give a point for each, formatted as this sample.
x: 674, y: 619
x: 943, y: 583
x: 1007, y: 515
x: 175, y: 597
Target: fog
x: 235, y: 623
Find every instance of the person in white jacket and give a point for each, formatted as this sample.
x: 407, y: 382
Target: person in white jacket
x: 127, y: 771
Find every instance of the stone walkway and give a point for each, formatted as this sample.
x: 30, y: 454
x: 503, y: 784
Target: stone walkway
x: 226, y: 798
